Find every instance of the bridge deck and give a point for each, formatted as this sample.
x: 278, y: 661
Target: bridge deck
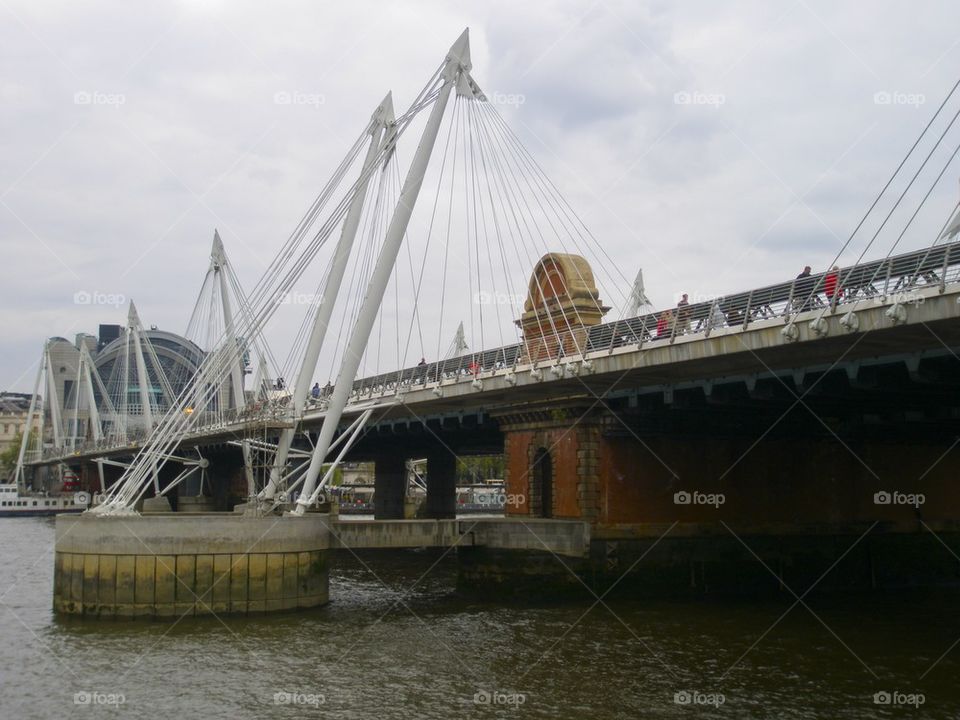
x: 731, y: 336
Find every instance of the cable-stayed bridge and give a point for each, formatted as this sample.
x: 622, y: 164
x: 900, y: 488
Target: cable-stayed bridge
x: 908, y: 281
x: 784, y: 400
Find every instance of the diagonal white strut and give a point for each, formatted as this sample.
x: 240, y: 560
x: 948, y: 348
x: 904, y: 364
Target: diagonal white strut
x: 457, y: 64
x: 218, y: 260
x: 143, y: 381
x: 381, y: 119
x: 218, y: 265
x: 20, y: 478
x: 86, y: 363
x: 53, y: 401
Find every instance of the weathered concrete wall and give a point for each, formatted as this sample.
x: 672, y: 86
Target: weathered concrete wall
x: 396, y: 534
x: 173, y: 565
x: 562, y: 537
x: 569, y: 538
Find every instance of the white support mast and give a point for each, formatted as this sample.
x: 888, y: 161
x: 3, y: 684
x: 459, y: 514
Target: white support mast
x: 124, y: 407
x: 262, y: 383
x: 638, y: 297
x: 218, y: 261
x: 143, y: 381
x: 77, y: 393
x: 382, y: 118
x: 86, y: 362
x: 53, y: 400
x: 25, y: 437
x: 459, y: 343
x: 457, y: 65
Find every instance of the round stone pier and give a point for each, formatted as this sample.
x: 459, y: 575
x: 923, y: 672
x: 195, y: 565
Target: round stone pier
x: 169, y: 565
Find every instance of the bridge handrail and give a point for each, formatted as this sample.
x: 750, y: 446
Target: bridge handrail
x: 872, y: 279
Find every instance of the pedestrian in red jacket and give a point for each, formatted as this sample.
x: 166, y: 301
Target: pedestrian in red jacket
x: 664, y: 321
x: 830, y: 285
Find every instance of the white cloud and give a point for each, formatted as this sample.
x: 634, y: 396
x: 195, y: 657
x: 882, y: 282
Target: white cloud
x: 708, y: 199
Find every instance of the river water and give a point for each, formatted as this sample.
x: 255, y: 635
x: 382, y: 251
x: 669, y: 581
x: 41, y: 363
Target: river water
x: 396, y: 641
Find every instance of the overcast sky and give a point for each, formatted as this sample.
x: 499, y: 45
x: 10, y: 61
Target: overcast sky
x: 718, y: 146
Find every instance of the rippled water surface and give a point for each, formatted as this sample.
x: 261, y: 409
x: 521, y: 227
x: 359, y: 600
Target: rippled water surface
x: 396, y: 641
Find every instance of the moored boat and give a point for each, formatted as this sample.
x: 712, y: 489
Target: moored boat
x: 13, y: 503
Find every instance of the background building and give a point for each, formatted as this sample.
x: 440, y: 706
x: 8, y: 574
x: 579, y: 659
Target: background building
x: 14, y: 408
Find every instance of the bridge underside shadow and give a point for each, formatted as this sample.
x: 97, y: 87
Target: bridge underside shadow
x: 843, y: 476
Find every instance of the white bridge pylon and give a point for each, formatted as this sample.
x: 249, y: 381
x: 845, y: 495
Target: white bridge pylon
x: 212, y: 322
x: 382, y: 120
x: 455, y: 71
x: 495, y: 215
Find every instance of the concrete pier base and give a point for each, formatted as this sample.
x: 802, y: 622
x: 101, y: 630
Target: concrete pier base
x: 174, y: 564
x: 155, y: 505
x: 195, y: 504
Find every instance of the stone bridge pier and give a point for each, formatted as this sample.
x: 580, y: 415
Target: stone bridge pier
x: 391, y: 483
x: 552, y: 460
x: 737, y: 491
x: 441, y: 484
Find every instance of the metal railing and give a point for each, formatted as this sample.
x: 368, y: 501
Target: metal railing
x: 881, y: 279
x: 877, y: 279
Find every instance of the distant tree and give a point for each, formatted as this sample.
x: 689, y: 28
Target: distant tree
x: 8, y: 458
x: 337, y: 479
x: 478, y: 468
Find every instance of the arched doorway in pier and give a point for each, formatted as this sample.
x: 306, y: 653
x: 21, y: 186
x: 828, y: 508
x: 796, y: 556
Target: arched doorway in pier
x: 541, y: 485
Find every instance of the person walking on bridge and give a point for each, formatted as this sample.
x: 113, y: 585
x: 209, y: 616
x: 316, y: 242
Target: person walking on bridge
x: 831, y: 286
x: 683, y: 315
x: 803, y: 290
x: 664, y: 321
